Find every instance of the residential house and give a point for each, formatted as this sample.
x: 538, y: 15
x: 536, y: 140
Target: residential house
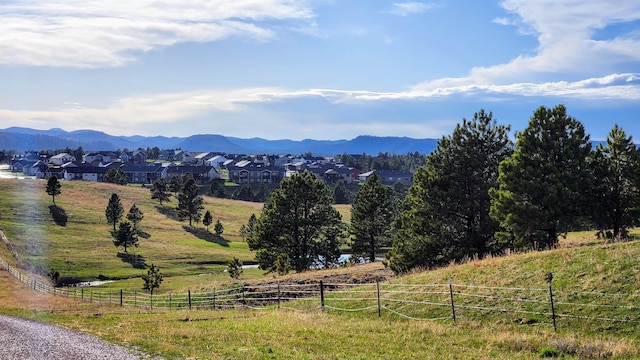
x: 86, y: 173
x: 254, y: 174
x: 201, y: 174
x: 143, y: 174
x: 216, y: 161
x: 171, y: 155
x: 390, y: 177
x: 61, y: 159
x: 97, y: 157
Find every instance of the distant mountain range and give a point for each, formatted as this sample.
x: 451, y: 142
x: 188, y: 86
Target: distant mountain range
x: 23, y: 139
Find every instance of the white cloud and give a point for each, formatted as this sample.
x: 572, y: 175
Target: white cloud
x: 232, y: 112
x: 565, y: 30
x: 95, y: 33
x: 409, y: 8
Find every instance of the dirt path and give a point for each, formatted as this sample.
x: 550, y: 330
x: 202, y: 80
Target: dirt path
x: 26, y: 339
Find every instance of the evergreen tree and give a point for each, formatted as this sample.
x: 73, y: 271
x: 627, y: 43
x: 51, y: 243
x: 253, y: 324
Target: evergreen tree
x: 542, y: 186
x: 190, y: 204
x: 445, y: 215
x: 135, y: 215
x: 371, y: 218
x: 114, y: 211
x: 152, y: 279
x: 244, y: 193
x: 160, y: 190
x: 340, y: 193
x: 115, y: 176
x: 207, y: 219
x: 53, y: 188
x: 125, y: 236
x: 298, y: 217
x: 616, y: 189
x: 175, y: 185
x: 218, y: 228
x: 234, y: 268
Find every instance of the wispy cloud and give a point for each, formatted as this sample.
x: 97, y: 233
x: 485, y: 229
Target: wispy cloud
x: 233, y: 111
x: 567, y: 44
x: 409, y: 8
x: 95, y: 33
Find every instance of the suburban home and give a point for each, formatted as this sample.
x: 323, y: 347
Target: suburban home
x: 190, y: 157
x: 390, y: 177
x: 216, y: 161
x: 86, y: 173
x: 201, y: 174
x: 39, y: 169
x: 171, y: 155
x: 328, y: 173
x: 254, y: 174
x: 61, y: 159
x: 103, y: 157
x: 18, y: 166
x: 143, y: 174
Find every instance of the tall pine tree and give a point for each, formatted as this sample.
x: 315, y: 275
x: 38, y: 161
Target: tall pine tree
x: 371, y: 218
x: 190, y: 204
x: 542, y: 187
x: 299, y: 221
x: 445, y: 215
x: 616, y: 189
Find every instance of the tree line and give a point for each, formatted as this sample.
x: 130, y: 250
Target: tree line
x: 478, y: 193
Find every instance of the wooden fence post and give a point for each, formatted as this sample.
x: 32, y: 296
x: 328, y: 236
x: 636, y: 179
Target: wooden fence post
x: 214, y: 299
x: 453, y: 308
x: 120, y: 297
x: 189, y: 295
x: 322, y: 295
x: 278, y: 295
x: 378, y: 290
x: 549, y: 279
x: 135, y: 298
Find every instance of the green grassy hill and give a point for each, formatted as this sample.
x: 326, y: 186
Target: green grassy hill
x: 74, y: 237
x: 502, y: 303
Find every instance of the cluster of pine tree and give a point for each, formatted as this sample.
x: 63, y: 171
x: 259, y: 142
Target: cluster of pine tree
x: 481, y: 194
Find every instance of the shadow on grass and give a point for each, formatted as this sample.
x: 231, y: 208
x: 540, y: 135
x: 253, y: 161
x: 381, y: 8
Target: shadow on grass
x: 137, y: 261
x: 206, y: 236
x: 58, y: 214
x: 167, y: 211
x: 143, y: 234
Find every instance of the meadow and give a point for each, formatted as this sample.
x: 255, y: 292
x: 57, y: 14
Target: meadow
x: 193, y: 259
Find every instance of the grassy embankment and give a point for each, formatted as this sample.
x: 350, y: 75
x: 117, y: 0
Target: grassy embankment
x: 74, y: 237
x: 582, y: 264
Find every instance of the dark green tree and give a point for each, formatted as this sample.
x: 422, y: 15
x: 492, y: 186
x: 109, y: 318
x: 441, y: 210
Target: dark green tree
x: 114, y: 211
x: 371, y: 219
x: 542, y: 187
x: 218, y: 228
x: 125, y: 236
x: 616, y: 189
x: 53, y: 188
x: 160, y: 191
x: 244, y: 193
x: 152, y: 279
x: 445, y: 215
x: 207, y: 219
x: 175, y: 184
x: 341, y: 195
x: 135, y: 216
x: 234, y: 268
x: 190, y: 204
x: 115, y: 176
x: 298, y: 217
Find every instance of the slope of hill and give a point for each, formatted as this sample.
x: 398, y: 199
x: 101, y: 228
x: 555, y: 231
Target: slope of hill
x: 22, y: 139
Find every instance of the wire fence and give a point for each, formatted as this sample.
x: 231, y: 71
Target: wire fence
x: 427, y: 302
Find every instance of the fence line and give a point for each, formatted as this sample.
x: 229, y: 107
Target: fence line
x: 433, y: 302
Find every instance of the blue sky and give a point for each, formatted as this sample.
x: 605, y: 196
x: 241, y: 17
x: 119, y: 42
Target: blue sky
x: 315, y: 69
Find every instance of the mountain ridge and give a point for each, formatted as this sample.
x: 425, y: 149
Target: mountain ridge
x: 23, y: 139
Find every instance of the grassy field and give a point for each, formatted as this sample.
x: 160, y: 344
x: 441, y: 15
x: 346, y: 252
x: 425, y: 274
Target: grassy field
x: 77, y: 243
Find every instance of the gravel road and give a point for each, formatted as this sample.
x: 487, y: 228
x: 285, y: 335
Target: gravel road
x: 26, y: 339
